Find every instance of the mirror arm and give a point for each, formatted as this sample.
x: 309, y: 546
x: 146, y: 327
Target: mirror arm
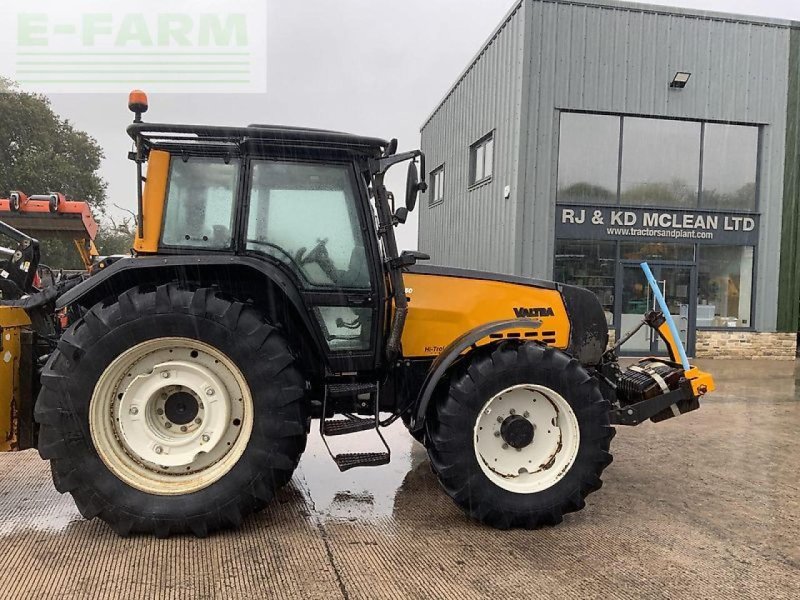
x: 381, y: 165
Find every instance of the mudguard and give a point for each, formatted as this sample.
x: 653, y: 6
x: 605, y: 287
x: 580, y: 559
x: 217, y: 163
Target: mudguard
x: 129, y: 272
x: 449, y: 355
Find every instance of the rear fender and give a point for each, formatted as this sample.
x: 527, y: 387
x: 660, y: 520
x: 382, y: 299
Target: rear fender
x: 225, y: 271
x: 451, y: 353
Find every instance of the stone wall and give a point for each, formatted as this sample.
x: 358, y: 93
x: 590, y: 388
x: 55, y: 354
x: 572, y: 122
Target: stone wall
x: 746, y: 344
x: 740, y: 344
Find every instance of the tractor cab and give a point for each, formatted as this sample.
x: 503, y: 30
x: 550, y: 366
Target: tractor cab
x: 301, y: 201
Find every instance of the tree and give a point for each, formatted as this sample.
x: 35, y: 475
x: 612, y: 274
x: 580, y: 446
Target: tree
x: 116, y: 239
x: 41, y: 152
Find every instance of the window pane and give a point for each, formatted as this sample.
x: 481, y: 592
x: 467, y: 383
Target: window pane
x: 730, y: 160
x: 438, y: 184
x: 489, y: 158
x: 305, y: 215
x: 724, y: 286
x: 591, y: 265
x: 200, y: 203
x: 588, y: 159
x: 660, y: 162
x: 479, y: 154
x: 656, y: 251
x: 345, y: 328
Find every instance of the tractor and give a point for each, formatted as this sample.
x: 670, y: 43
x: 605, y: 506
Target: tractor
x: 175, y: 388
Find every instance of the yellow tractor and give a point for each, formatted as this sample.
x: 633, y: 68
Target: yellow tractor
x: 266, y: 291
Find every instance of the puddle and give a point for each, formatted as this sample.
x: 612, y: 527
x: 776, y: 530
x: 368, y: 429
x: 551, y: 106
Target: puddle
x: 28, y: 500
x: 362, y: 492
x: 30, y: 503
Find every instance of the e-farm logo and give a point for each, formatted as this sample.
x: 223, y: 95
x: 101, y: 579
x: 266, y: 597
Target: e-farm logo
x: 162, y: 46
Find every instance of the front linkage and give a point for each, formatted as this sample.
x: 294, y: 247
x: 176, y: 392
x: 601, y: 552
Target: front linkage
x: 653, y: 388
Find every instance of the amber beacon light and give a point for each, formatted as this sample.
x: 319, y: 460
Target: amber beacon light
x: 137, y: 104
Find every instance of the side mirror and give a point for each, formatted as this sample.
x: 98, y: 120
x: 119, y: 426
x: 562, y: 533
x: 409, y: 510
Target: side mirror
x: 413, y: 186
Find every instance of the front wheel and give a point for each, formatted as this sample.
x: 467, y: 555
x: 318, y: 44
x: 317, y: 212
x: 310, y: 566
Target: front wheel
x: 521, y: 436
x: 170, y: 411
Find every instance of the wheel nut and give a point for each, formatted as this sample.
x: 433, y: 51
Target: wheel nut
x: 499, y: 419
x: 158, y: 449
x: 198, y: 421
x: 206, y: 437
x: 210, y: 392
x: 505, y: 446
x: 133, y: 410
x: 183, y: 428
x: 167, y: 424
x: 159, y: 411
x: 165, y: 374
x: 496, y: 434
x: 512, y: 412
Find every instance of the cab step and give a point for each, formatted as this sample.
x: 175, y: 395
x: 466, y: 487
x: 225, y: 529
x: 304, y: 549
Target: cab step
x: 344, y: 426
x: 348, y: 390
x: 352, y: 424
x: 361, y: 459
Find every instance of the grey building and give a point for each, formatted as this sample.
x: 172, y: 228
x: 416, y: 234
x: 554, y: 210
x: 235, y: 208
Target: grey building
x: 586, y: 137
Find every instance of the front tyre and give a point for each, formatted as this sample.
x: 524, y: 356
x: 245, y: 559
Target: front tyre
x: 171, y: 411
x: 521, y: 436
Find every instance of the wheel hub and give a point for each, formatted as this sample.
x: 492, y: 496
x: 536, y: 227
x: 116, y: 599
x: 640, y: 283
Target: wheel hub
x: 171, y: 415
x: 526, y: 438
x: 517, y: 431
x: 181, y: 407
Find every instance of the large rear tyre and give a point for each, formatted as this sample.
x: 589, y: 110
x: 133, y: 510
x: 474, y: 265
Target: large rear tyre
x: 171, y: 411
x: 521, y: 436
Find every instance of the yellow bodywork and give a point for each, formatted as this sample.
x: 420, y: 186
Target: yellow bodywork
x: 153, y: 199
x: 702, y: 382
x: 12, y: 320
x: 441, y: 308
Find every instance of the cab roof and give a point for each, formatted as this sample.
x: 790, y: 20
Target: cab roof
x: 207, y: 137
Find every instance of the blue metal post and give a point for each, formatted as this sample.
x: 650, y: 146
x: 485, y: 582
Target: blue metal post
x: 665, y: 309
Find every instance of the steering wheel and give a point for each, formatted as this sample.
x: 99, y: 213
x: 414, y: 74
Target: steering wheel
x: 279, y: 249
x: 319, y: 254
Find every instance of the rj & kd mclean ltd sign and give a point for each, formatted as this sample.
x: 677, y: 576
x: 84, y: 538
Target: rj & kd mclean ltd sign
x: 646, y: 224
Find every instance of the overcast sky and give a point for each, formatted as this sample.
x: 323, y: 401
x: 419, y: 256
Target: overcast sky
x: 375, y: 67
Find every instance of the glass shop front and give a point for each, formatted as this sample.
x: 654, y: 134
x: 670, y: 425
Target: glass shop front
x: 681, y: 195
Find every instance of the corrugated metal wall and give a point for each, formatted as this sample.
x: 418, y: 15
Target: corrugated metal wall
x: 475, y: 227
x: 618, y: 59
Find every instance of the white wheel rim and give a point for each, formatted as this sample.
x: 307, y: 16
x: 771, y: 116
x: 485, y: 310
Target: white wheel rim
x: 541, y: 463
x: 171, y: 416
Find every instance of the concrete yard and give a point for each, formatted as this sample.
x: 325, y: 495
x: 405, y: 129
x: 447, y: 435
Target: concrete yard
x: 704, y: 506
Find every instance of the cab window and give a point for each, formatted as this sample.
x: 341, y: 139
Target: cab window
x: 200, y: 201
x: 305, y: 216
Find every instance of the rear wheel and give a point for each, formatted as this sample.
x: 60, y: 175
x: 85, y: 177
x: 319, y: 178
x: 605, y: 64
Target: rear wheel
x: 171, y: 411
x: 521, y: 436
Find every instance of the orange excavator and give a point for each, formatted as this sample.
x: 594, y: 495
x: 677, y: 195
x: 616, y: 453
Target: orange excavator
x: 52, y: 216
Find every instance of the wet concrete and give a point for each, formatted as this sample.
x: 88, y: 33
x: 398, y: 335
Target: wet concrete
x: 704, y: 506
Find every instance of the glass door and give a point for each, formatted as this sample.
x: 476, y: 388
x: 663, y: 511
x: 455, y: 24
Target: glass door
x: 677, y: 283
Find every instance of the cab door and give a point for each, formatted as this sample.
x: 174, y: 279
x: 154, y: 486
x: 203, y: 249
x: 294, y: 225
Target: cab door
x: 311, y: 218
